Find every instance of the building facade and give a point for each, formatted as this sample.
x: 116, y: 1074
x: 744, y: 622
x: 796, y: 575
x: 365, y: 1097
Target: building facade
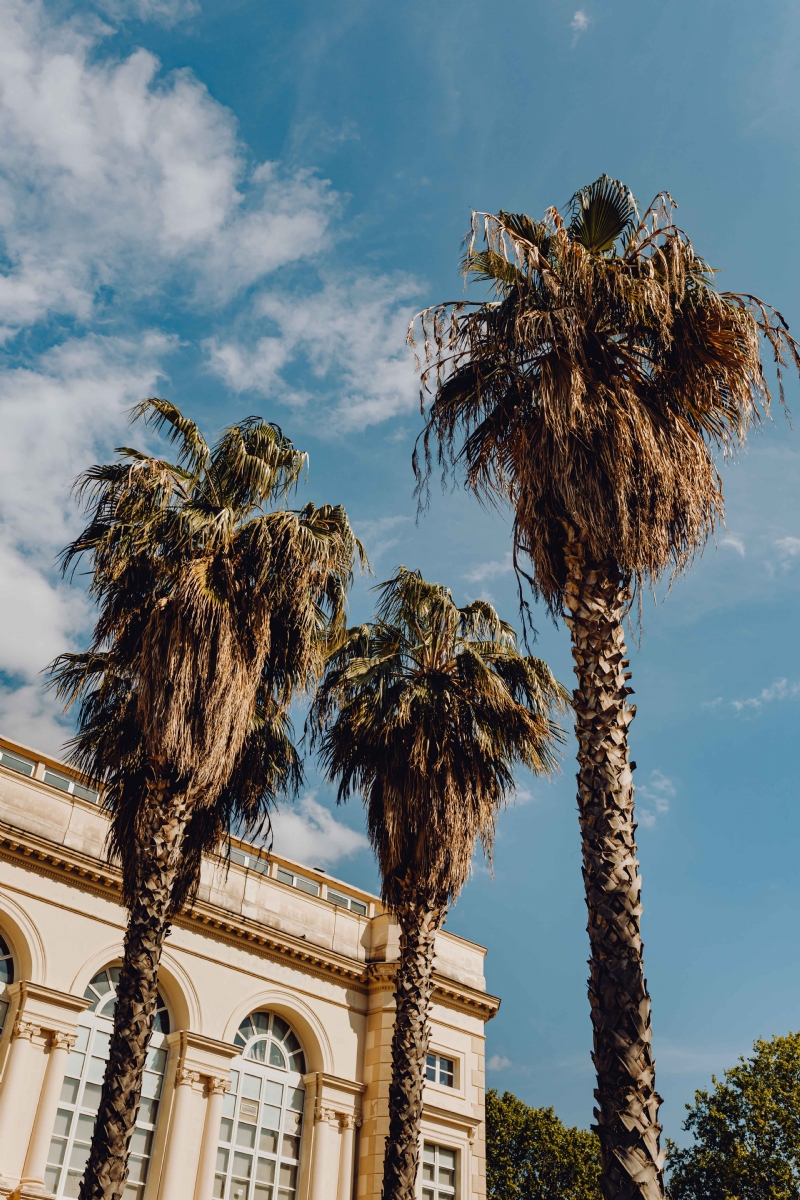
x: 268, y: 1072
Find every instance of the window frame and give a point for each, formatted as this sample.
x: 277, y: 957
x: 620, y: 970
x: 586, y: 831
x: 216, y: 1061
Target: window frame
x: 432, y: 1189
x: 448, y: 1056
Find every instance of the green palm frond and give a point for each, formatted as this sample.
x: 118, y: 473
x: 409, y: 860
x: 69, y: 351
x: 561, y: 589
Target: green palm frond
x: 601, y: 212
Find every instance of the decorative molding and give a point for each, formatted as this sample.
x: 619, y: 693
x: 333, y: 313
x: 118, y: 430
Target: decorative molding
x: 62, y: 1041
x: 26, y: 1030
x: 216, y: 1085
x: 105, y: 879
x: 182, y: 1076
x: 349, y: 1121
x: 326, y: 1114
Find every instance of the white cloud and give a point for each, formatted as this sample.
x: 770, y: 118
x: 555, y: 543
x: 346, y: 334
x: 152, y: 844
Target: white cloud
x: 116, y: 177
x: 735, y: 543
x: 380, y: 534
x: 350, y: 338
x: 657, y: 793
x: 497, y: 1062
x: 162, y: 12
x: 309, y: 833
x: 490, y: 570
x: 521, y: 796
x: 781, y: 689
x: 788, y: 547
x: 580, y: 22
x: 34, y: 717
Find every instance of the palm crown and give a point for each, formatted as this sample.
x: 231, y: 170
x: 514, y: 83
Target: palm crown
x: 596, y: 386
x: 425, y: 712
x: 215, y: 608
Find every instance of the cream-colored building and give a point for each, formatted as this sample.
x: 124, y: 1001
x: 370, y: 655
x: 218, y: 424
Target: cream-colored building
x: 268, y: 1073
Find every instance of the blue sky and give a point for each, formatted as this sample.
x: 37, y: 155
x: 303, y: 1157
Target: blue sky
x: 239, y: 205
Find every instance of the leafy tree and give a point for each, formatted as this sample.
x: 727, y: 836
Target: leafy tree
x: 425, y: 712
x: 746, y: 1131
x: 592, y: 392
x: 531, y: 1155
x: 214, y: 610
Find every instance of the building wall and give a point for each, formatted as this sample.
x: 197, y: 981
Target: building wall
x: 250, y: 942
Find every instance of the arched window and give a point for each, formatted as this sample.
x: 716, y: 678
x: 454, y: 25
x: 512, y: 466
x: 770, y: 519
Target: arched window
x: 6, y: 977
x: 80, y: 1093
x: 262, y: 1116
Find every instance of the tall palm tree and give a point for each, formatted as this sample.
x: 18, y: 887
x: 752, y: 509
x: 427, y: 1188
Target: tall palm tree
x: 215, y: 609
x: 425, y: 712
x: 592, y: 391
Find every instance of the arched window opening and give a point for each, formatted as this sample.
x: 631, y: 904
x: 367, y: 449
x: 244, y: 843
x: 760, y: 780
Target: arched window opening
x: 80, y: 1093
x: 262, y: 1116
x: 6, y: 977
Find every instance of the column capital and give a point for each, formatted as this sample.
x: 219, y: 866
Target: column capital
x: 62, y: 1041
x: 217, y: 1084
x: 184, y: 1076
x: 25, y: 1029
x: 349, y: 1121
x: 328, y: 1115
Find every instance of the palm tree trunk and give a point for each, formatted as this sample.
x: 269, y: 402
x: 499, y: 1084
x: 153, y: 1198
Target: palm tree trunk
x: 627, y: 1112
x: 166, y: 818
x: 419, y: 922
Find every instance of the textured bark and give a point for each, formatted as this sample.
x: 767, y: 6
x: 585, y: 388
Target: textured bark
x: 166, y: 819
x: 419, y: 922
x: 627, y: 1112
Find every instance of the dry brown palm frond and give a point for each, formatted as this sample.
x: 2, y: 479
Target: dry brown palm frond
x: 598, y: 386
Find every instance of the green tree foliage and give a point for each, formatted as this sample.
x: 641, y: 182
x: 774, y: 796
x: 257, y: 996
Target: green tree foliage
x: 746, y: 1131
x: 532, y: 1155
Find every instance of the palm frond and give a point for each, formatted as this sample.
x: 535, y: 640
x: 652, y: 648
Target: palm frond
x: 601, y: 213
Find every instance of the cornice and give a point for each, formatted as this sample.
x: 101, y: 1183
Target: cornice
x: 90, y: 874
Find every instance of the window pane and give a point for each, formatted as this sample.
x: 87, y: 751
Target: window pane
x: 17, y: 763
x: 252, y: 1087
x: 246, y: 1136
x: 56, y: 780
x: 285, y: 876
x: 276, y: 1058
x: 430, y: 1067
x: 273, y: 1093
x: 268, y: 1142
x: 86, y: 793
x: 56, y: 1151
x: 291, y: 1146
x: 262, y: 1191
x: 234, y: 1082
x: 62, y: 1125
x: 271, y: 1117
x: 447, y: 1158
x: 228, y: 1105
x: 260, y: 1022
x: 219, y: 1188
x: 97, y: 1069
x: 82, y: 1038
x: 137, y: 1169
x: 356, y: 906
x: 85, y: 1128
x: 72, y: 1186
x: 287, y: 1176
x: 75, y: 1063
x: 225, y: 1129
x: 307, y: 885
x: 447, y: 1070
x: 265, y: 1171
x: 141, y: 1140
x: 91, y: 1096
x: 296, y: 1099
x: 151, y: 1084
x: 148, y: 1110
x: 3, y: 1011
x: 257, y: 1052
x: 337, y: 898
x: 242, y: 1165
x: 428, y: 1172
x: 156, y: 1060
x: 51, y: 1178
x: 79, y: 1156
x: 429, y: 1152
x: 279, y: 1028
x: 6, y: 970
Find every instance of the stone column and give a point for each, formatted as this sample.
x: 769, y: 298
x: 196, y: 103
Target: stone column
x: 20, y: 1065
x: 36, y: 1158
x: 217, y: 1087
x: 348, y: 1124
x: 173, y: 1178
x: 321, y: 1152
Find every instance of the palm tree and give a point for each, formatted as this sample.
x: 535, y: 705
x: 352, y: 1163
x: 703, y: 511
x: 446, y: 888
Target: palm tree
x: 592, y: 391
x: 215, y: 607
x: 425, y: 712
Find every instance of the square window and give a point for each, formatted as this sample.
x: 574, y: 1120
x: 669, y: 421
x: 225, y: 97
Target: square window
x: 246, y: 1136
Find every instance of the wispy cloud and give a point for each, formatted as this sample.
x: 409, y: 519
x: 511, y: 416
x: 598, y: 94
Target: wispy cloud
x: 788, y: 548
x: 380, y: 534
x: 497, y: 1062
x: 735, y: 543
x: 781, y: 689
x: 490, y: 570
x: 657, y: 793
x: 579, y: 24
x: 309, y: 833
